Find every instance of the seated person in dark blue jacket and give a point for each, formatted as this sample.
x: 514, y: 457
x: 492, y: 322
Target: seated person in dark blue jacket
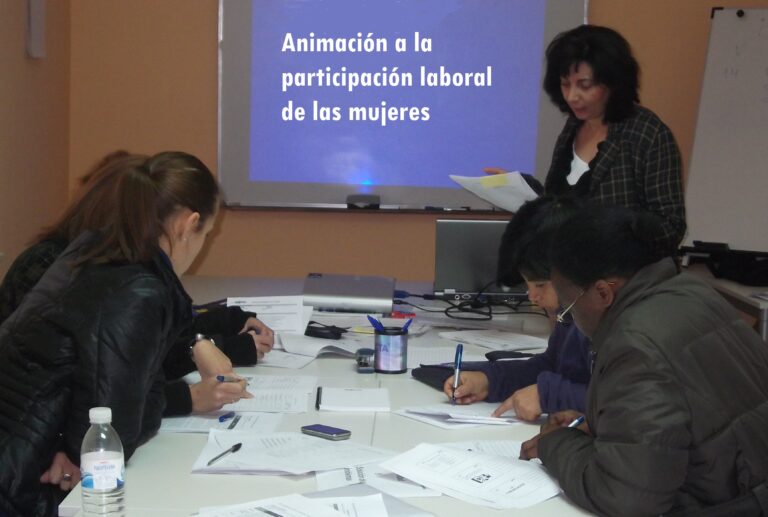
x: 557, y: 378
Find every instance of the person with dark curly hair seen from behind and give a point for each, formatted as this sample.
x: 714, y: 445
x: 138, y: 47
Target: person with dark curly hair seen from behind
x: 612, y: 150
x: 677, y: 407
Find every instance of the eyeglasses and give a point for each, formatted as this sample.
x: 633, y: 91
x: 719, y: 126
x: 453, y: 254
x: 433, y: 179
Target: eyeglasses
x: 560, y: 317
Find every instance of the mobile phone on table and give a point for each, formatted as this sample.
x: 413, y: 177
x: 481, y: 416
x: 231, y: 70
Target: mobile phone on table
x: 326, y: 431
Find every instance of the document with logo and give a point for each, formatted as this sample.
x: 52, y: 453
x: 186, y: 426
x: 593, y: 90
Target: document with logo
x: 478, y: 478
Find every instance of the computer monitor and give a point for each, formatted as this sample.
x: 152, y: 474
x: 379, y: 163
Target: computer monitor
x: 466, y: 255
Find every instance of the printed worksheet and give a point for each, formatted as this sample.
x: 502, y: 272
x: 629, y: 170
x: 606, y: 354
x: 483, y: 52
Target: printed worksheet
x: 253, y: 422
x: 280, y: 453
x: 478, y: 478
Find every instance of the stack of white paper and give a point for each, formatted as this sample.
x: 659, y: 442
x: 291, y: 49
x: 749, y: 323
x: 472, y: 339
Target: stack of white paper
x: 478, y: 478
x: 447, y: 416
x: 281, y: 453
x: 354, y: 399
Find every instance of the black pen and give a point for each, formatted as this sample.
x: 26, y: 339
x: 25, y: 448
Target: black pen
x: 234, y: 448
x: 456, y: 371
x: 319, y: 397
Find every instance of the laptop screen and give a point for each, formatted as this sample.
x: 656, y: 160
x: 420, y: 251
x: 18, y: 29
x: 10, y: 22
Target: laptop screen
x: 466, y: 256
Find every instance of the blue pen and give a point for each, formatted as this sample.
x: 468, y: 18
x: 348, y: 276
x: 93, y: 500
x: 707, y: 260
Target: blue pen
x: 407, y: 324
x: 577, y: 421
x: 456, y: 371
x: 376, y: 323
x: 227, y: 416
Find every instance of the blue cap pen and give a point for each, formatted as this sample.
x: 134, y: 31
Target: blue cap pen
x: 226, y: 416
x: 376, y: 323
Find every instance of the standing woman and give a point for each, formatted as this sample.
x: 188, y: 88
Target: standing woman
x: 96, y: 328
x: 611, y: 150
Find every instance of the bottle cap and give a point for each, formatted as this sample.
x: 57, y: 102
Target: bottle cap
x: 100, y: 415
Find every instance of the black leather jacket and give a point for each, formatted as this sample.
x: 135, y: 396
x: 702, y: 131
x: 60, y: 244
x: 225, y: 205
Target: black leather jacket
x: 93, y: 336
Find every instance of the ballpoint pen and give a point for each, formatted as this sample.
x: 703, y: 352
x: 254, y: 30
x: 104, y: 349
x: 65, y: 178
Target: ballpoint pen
x: 577, y: 421
x: 230, y: 378
x: 226, y: 416
x: 376, y: 323
x: 456, y: 371
x: 234, y: 448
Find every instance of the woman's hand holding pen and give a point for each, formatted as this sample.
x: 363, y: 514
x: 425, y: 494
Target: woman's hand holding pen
x: 567, y: 418
x: 473, y: 387
x: 263, y: 336
x: 212, y: 394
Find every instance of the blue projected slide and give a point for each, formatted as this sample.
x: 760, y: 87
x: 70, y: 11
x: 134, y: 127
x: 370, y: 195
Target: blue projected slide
x: 321, y: 99
x: 480, y: 114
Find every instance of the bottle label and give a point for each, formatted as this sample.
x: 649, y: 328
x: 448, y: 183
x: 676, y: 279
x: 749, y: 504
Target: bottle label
x: 103, y: 470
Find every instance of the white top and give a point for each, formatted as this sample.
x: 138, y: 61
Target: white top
x: 578, y: 168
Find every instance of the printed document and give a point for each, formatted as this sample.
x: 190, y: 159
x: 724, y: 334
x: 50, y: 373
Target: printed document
x: 272, y: 401
x: 374, y: 476
x: 312, y: 346
x: 507, y: 191
x: 281, y: 359
x: 293, y: 505
x: 280, y: 313
x: 477, y: 478
x: 496, y: 340
x: 448, y: 416
x: 281, y: 453
x: 254, y: 422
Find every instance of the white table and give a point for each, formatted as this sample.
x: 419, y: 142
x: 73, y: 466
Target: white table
x: 158, y: 476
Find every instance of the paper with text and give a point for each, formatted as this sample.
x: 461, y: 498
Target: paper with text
x: 484, y: 479
x: 293, y: 505
x: 253, y: 422
x: 496, y: 340
x: 282, y: 453
x: 374, y: 476
x: 280, y: 313
x: 448, y: 416
x: 507, y: 191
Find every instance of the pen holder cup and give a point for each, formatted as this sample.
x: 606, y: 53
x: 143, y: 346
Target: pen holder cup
x: 390, y: 351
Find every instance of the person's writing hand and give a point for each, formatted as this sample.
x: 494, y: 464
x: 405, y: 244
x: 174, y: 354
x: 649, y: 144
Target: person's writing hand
x: 210, y: 361
x: 263, y: 336
x: 530, y: 448
x: 62, y: 472
x: 473, y: 387
x: 211, y: 394
x: 525, y: 403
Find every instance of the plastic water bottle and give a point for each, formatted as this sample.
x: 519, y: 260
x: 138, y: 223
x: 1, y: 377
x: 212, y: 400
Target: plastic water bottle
x: 102, y: 468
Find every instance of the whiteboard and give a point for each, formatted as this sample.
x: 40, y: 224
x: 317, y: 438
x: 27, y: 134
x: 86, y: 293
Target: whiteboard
x: 727, y: 191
